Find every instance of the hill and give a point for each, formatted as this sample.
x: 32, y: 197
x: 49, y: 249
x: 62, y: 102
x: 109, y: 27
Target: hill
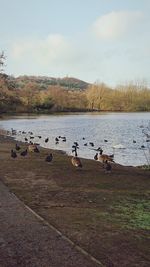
x: 44, y: 81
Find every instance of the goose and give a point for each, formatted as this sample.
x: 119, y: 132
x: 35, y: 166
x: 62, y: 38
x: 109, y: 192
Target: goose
x: 32, y: 147
x: 49, y: 158
x: 104, y: 157
x: 76, y: 162
x: 13, y: 154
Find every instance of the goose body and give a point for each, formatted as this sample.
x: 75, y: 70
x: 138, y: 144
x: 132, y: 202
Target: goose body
x: 32, y: 147
x: 103, y: 158
x: 76, y: 162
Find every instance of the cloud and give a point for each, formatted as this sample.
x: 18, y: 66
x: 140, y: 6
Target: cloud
x: 117, y: 24
x: 43, y: 51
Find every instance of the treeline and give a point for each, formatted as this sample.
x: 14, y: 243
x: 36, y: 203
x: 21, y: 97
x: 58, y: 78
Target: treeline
x: 31, y: 97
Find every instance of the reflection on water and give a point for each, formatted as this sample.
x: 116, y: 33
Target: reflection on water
x: 105, y: 130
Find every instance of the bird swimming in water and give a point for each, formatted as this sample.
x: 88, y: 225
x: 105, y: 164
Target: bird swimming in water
x: 49, y: 158
x: 46, y: 140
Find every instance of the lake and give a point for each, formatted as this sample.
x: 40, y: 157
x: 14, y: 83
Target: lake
x: 118, y: 133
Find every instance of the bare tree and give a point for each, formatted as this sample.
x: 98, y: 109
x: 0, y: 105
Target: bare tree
x: 2, y: 60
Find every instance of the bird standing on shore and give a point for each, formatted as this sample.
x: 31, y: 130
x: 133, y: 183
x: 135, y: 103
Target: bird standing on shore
x: 24, y: 153
x: 76, y: 162
x: 17, y: 147
x: 107, y: 167
x: 13, y: 154
x: 49, y: 158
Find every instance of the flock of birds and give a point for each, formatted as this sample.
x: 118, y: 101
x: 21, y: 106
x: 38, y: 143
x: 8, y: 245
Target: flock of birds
x: 105, y: 159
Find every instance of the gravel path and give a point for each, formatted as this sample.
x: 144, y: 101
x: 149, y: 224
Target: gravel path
x: 27, y: 241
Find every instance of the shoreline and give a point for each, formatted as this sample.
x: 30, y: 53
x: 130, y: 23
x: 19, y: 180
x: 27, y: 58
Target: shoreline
x: 105, y: 213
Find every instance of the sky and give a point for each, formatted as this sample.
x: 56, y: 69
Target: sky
x: 93, y: 40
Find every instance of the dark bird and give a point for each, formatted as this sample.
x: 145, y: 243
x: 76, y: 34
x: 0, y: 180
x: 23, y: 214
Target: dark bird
x: 105, y: 140
x: 76, y: 144
x: 49, y: 158
x: 24, y: 153
x: 96, y: 156
x: 36, y: 150
x: 107, y: 167
x: 46, y: 140
x: 91, y: 143
x: 13, y: 154
x: 26, y: 139
x: 134, y: 141
x: 85, y: 144
x: 56, y: 139
x: 17, y: 147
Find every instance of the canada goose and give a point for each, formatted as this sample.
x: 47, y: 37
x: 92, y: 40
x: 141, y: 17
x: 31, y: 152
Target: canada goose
x: 24, y: 153
x: 103, y: 157
x: 13, y: 154
x: 76, y: 161
x: 17, y: 147
x: 32, y: 147
x: 49, y: 158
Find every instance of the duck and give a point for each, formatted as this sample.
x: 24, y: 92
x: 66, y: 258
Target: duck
x: 24, y: 153
x: 36, y: 150
x: 46, y: 140
x: 49, y: 158
x: 17, y: 147
x: 107, y: 167
x: 13, y: 154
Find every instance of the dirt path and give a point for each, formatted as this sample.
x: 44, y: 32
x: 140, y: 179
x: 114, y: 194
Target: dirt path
x: 25, y: 240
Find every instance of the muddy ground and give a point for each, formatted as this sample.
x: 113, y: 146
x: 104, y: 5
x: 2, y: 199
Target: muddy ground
x: 107, y: 214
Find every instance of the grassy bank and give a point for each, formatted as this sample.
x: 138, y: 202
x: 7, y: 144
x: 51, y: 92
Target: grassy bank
x: 106, y: 214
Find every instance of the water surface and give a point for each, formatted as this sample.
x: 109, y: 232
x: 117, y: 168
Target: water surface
x: 105, y: 130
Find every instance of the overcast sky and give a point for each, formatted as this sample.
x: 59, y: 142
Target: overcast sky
x: 93, y: 40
